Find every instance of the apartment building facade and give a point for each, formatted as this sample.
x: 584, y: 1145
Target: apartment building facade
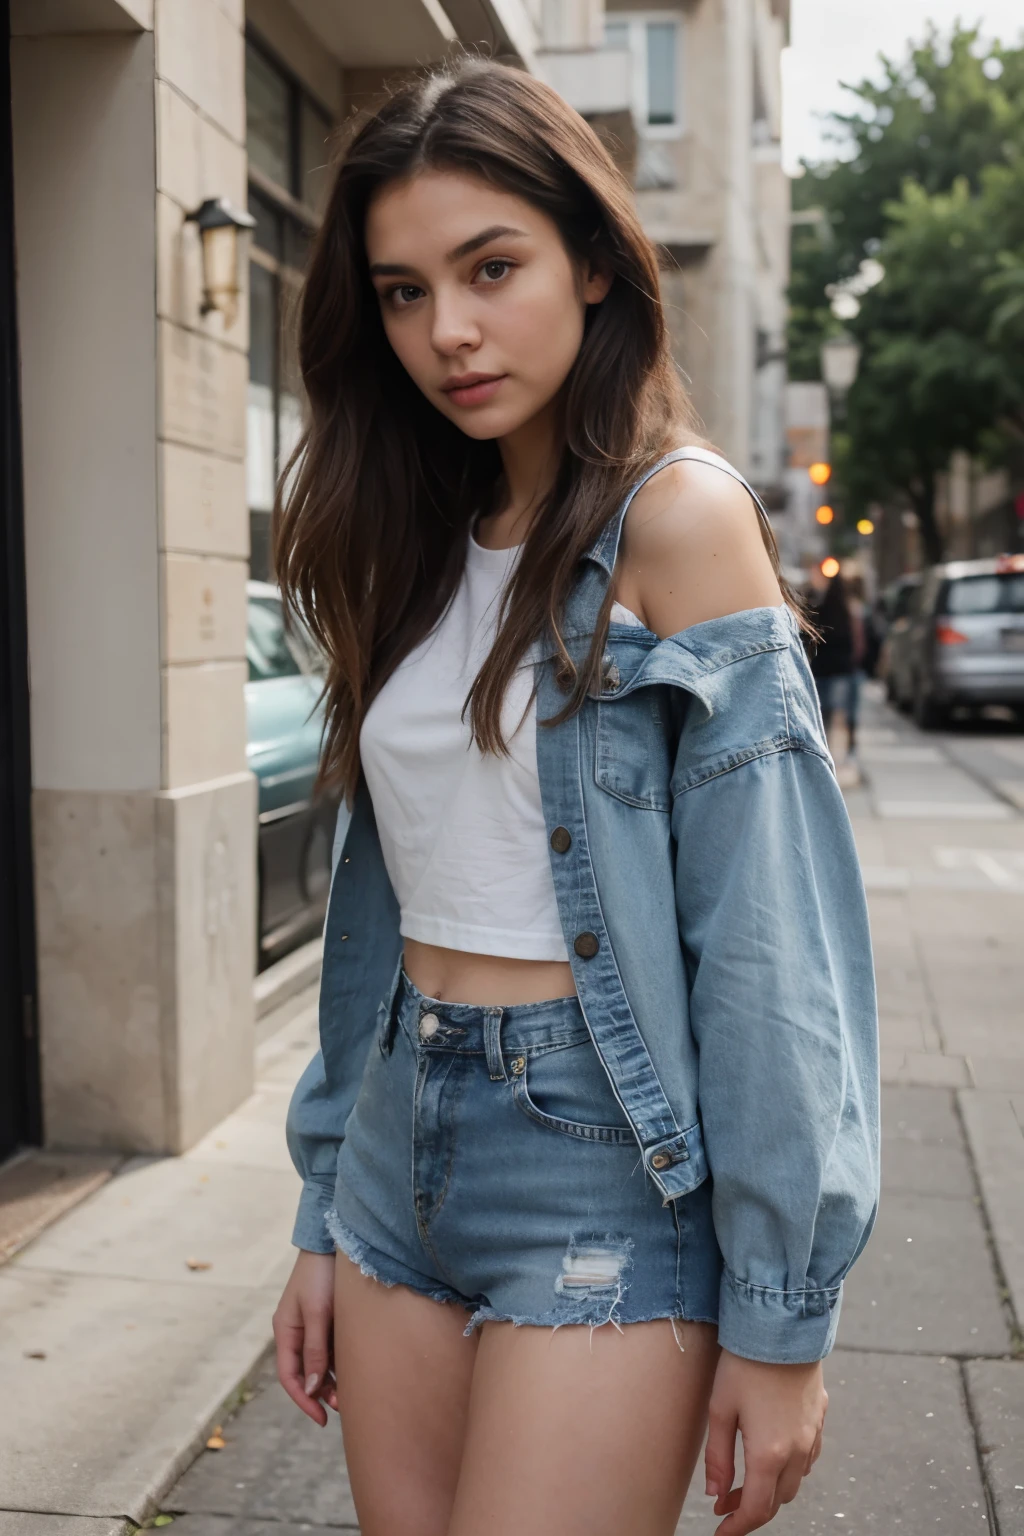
x: 145, y: 429
x: 699, y: 84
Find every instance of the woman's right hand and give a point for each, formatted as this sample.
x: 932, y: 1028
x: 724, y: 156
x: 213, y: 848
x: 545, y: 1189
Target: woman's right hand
x: 303, y: 1334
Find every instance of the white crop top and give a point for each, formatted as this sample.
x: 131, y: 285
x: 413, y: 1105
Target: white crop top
x: 462, y: 832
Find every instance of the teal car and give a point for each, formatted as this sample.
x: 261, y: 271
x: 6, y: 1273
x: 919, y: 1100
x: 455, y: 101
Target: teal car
x: 284, y: 719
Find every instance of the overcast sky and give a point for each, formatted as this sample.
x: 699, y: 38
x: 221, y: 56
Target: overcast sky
x: 834, y: 40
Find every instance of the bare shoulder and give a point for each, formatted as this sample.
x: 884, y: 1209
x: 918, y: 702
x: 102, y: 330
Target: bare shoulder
x: 692, y: 550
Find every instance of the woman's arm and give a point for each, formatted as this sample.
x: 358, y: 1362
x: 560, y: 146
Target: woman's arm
x: 692, y: 550
x: 768, y: 895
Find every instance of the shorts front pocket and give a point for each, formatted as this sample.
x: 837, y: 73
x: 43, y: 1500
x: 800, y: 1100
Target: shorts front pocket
x: 567, y: 1090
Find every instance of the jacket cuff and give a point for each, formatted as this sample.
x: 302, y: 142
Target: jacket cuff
x: 777, y: 1327
x: 310, y: 1231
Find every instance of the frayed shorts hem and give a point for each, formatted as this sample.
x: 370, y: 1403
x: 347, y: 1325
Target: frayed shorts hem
x: 594, y: 1311
x: 387, y: 1271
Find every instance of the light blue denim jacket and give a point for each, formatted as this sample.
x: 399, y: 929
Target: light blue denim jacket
x: 715, y: 919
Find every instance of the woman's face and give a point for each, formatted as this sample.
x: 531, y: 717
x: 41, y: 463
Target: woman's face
x: 481, y: 301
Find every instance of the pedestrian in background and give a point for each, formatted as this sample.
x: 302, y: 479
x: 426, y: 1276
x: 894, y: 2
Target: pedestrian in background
x: 837, y: 658
x: 594, y: 835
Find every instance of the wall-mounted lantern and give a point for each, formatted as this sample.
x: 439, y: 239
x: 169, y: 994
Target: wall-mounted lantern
x: 221, y: 230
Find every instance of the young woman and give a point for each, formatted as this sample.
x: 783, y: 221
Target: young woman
x: 590, y: 1142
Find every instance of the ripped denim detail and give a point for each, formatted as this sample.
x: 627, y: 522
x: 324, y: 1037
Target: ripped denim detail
x: 589, y: 1288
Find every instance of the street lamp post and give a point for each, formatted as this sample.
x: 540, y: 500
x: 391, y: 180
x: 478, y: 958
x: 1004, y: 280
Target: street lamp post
x: 840, y: 360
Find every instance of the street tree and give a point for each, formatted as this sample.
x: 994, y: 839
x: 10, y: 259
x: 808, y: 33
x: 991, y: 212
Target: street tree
x: 932, y: 201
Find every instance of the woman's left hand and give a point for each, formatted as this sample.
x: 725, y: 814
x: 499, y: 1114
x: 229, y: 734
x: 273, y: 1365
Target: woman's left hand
x: 780, y: 1412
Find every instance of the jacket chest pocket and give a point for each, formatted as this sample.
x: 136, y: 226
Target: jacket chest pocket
x: 633, y: 753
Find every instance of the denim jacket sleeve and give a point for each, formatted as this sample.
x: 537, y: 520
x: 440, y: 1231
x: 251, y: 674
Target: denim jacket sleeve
x: 773, y: 923
x: 312, y: 1125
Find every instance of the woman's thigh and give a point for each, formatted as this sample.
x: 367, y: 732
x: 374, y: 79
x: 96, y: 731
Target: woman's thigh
x: 404, y: 1370
x: 583, y: 1432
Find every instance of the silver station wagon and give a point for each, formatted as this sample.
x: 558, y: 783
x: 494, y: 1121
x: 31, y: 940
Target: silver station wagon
x: 963, y: 643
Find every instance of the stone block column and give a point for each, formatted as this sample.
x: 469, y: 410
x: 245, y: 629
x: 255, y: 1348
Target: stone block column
x: 137, y: 544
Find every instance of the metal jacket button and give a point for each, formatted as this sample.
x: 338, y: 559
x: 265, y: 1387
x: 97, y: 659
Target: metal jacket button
x: 518, y: 1065
x: 610, y: 678
x: 587, y: 945
x: 429, y: 1025
x: 561, y: 839
x: 661, y: 1160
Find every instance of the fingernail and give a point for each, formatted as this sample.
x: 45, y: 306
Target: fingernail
x: 711, y: 1489
x: 311, y: 1381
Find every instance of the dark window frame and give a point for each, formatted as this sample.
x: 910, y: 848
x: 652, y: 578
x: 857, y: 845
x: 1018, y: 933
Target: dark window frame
x: 295, y: 221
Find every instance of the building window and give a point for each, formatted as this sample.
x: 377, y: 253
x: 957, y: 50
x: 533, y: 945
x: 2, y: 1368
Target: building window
x: 653, y: 40
x: 286, y: 134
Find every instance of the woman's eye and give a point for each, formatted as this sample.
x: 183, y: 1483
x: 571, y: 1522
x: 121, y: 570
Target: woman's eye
x: 493, y: 271
x: 406, y: 293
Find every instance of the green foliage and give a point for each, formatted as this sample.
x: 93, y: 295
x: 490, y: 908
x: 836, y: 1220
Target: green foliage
x: 933, y: 191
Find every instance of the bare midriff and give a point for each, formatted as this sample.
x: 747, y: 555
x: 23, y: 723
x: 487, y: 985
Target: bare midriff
x: 490, y: 981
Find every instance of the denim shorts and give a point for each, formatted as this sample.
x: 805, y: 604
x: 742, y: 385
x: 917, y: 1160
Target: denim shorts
x: 487, y: 1162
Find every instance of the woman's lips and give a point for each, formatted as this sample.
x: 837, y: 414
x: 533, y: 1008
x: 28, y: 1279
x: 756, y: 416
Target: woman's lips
x: 474, y: 393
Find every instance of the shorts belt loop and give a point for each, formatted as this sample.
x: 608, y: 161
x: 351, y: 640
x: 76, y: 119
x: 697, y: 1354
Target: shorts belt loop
x: 492, y: 1044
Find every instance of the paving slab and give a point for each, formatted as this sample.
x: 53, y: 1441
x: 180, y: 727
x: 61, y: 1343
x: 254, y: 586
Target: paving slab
x: 109, y: 1385
x: 994, y: 1122
x: 898, y: 1457
x: 154, y: 1216
x: 922, y: 1144
x: 998, y: 1073
x: 276, y: 1465
x: 923, y: 1069
x: 925, y: 1115
x: 925, y: 1283
x: 16, y: 1522
x: 253, y: 1137
x: 996, y: 1392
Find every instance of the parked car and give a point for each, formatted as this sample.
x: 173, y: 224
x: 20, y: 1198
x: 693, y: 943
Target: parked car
x: 285, y: 720
x: 896, y: 605
x: 963, y: 641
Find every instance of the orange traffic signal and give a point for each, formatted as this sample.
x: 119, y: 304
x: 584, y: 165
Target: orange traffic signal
x: 820, y: 474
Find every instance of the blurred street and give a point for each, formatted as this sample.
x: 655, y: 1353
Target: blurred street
x: 926, y: 1417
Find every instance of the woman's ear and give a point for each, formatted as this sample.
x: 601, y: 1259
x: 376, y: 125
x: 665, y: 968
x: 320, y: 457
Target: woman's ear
x: 596, y: 285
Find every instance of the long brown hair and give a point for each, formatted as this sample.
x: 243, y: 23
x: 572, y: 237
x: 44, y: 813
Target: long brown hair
x: 370, y: 537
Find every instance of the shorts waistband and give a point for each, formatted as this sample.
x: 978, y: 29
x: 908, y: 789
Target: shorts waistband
x: 435, y: 1025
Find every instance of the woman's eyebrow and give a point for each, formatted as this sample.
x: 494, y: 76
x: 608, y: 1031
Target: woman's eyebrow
x: 495, y: 232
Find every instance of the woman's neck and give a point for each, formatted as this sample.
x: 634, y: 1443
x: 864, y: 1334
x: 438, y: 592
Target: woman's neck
x: 529, y: 458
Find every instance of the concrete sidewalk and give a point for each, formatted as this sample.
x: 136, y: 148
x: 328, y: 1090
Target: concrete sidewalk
x: 126, y: 1328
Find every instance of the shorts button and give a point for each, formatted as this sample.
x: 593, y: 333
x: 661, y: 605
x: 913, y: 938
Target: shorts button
x: 661, y: 1160
x: 518, y: 1064
x: 586, y: 945
x: 561, y: 839
x: 429, y: 1025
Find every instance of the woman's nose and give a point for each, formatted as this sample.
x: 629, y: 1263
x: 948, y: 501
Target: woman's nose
x: 453, y: 326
